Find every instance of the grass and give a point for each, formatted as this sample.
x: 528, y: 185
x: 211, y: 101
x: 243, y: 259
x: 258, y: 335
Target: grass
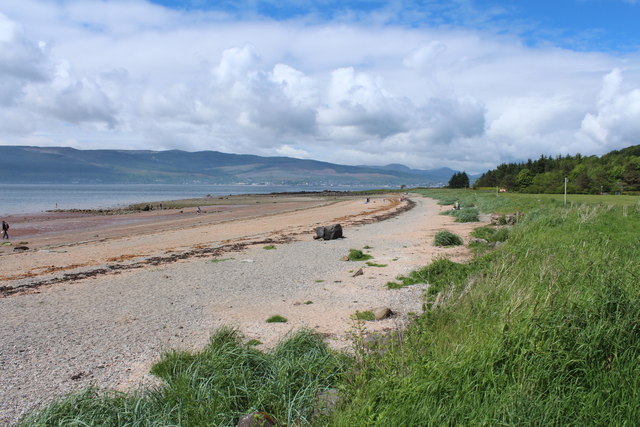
x: 544, y: 331
x: 364, y: 315
x: 358, y: 255
x: 446, y: 238
x: 217, y: 260
x: 373, y: 264
x: 277, y: 319
x: 269, y: 247
x: 213, y: 387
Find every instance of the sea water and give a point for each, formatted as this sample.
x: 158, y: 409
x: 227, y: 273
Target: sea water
x: 33, y: 198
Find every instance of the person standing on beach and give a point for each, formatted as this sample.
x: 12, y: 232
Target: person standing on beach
x: 5, y: 230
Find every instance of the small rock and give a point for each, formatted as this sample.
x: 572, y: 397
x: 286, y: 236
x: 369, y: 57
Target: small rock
x: 344, y: 258
x: 358, y: 273
x: 257, y: 419
x: 326, y: 402
x: 21, y: 248
x: 381, y: 312
x: 477, y: 240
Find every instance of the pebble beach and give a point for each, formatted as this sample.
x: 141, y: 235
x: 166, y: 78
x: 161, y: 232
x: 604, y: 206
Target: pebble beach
x: 170, y: 282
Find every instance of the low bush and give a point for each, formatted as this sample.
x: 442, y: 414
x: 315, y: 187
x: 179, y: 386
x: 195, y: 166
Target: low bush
x: 358, y: 255
x: 447, y: 238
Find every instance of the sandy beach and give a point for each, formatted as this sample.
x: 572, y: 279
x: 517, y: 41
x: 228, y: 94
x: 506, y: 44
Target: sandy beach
x: 97, y: 299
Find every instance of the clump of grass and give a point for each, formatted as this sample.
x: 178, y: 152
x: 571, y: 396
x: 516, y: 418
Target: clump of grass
x: 308, y: 302
x: 277, y: 319
x: 254, y: 342
x: 217, y: 260
x: 446, y: 238
x: 269, y: 247
x: 366, y: 315
x: 491, y: 234
x: 440, y: 274
x: 213, y: 387
x: 373, y: 264
x: 358, y: 255
x: 369, y: 247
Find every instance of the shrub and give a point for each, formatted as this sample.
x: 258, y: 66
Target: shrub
x: 358, y: 255
x: 447, y: 238
x: 277, y: 319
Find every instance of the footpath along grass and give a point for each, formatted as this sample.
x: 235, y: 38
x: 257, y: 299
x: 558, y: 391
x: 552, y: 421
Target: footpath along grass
x: 544, y: 330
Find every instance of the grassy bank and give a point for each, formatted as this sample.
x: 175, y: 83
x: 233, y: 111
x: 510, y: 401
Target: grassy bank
x: 544, y: 330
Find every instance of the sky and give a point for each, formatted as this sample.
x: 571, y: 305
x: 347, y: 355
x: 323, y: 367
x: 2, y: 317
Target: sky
x: 466, y: 84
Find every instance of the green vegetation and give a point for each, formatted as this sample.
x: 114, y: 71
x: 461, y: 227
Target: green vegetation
x: 615, y: 172
x: 459, y: 180
x: 364, y: 315
x: 373, y: 264
x: 308, y: 302
x: 269, y: 247
x: 212, y: 388
x: 464, y: 215
x: 277, y: 319
x: 543, y: 331
x: 358, y: 255
x: 217, y: 260
x: 447, y: 238
x: 491, y: 234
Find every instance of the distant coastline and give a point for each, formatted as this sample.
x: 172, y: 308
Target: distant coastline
x: 37, y: 198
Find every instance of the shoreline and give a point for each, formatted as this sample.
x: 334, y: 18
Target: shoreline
x: 107, y: 330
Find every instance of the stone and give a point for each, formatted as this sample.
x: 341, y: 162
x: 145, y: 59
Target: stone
x: 344, y: 258
x: 257, y: 419
x: 381, y: 313
x: 21, y: 248
x: 358, y: 273
x: 326, y: 402
x: 478, y: 240
x: 330, y: 232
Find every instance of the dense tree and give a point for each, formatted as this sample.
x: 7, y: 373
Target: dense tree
x: 612, y: 173
x: 459, y: 180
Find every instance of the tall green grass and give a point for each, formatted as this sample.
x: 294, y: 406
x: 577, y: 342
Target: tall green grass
x: 213, y: 388
x: 543, y: 331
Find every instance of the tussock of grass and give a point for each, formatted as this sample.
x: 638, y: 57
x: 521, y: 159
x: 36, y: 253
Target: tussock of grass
x: 269, y: 247
x: 447, y: 238
x: 366, y: 315
x: 358, y: 255
x: 277, y: 319
x: 212, y: 388
x: 491, y: 234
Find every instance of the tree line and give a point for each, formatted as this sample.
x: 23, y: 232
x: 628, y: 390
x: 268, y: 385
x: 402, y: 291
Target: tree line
x: 613, y: 173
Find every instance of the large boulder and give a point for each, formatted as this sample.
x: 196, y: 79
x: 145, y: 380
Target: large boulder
x: 330, y: 232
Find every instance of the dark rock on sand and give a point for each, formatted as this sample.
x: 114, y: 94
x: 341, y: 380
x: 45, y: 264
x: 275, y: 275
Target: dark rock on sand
x: 330, y: 232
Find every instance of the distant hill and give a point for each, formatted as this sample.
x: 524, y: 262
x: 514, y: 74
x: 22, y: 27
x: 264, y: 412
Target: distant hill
x: 615, y: 172
x: 22, y: 164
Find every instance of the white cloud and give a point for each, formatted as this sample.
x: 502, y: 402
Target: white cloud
x: 136, y: 75
x: 617, y: 120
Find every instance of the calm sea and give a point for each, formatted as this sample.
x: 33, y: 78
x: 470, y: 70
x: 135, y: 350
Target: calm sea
x: 33, y: 198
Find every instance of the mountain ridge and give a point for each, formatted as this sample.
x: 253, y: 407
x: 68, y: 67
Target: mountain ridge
x: 31, y: 164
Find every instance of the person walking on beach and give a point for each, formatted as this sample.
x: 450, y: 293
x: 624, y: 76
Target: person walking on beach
x: 5, y: 230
